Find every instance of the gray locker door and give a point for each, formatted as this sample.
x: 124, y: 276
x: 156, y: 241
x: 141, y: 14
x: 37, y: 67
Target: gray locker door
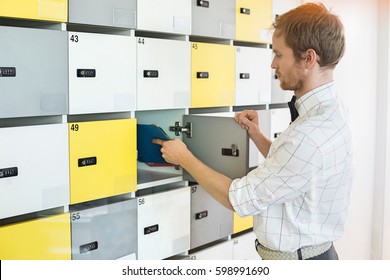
x: 210, y: 220
x: 220, y: 143
x: 33, y: 72
x: 115, y: 13
x: 105, y: 232
x: 214, y: 18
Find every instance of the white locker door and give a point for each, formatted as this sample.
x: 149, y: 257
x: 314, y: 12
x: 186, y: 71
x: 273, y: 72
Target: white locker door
x: 244, y: 247
x: 255, y: 157
x: 101, y: 73
x: 171, y: 16
x: 163, y: 224
x: 280, y: 120
x: 277, y: 94
x: 163, y: 74
x: 34, y: 169
x: 253, y: 75
x: 221, y: 251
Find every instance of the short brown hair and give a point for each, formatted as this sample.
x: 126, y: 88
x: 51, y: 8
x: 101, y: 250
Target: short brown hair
x: 312, y: 26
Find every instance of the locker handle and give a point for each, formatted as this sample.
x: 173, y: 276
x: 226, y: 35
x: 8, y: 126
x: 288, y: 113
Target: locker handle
x: 245, y: 76
x: 202, y: 75
x: 86, y: 73
x: 150, y: 73
x: 88, y: 247
x: 151, y: 229
x: 7, y: 72
x: 233, y: 151
x: 8, y: 172
x: 201, y: 215
x: 245, y: 11
x: 87, y: 161
x: 202, y: 3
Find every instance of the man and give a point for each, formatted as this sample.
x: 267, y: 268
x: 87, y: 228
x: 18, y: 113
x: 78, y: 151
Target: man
x: 299, y: 195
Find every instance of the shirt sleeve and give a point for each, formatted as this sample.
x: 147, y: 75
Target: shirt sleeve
x: 292, y: 167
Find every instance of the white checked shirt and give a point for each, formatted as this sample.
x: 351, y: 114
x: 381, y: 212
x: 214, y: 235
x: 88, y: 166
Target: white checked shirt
x: 299, y: 195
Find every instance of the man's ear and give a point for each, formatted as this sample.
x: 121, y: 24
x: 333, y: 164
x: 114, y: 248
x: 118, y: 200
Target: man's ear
x: 311, y: 58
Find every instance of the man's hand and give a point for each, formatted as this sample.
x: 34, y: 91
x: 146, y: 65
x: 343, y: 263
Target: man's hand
x: 173, y: 151
x: 215, y: 183
x: 248, y: 120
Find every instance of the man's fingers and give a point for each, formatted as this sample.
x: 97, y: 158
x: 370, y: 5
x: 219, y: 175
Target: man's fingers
x: 157, y: 141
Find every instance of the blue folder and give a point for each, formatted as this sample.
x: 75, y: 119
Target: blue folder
x: 149, y: 152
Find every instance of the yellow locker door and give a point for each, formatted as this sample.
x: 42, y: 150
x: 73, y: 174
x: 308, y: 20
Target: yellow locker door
x: 254, y: 20
x: 212, y: 75
x: 241, y: 224
x: 51, y: 10
x: 102, y: 158
x: 41, y: 239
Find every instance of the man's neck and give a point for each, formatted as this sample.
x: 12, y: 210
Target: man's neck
x: 314, y: 81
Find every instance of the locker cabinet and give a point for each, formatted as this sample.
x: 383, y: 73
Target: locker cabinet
x: 34, y: 169
x: 105, y: 232
x: 102, y: 157
x: 33, y: 72
x: 241, y: 224
x: 130, y: 257
x: 45, y: 238
x: 227, y: 145
x: 210, y: 220
x: 113, y: 13
x: 163, y: 224
x: 214, y: 18
x: 253, y: 75
x: 254, y: 20
x: 220, y: 251
x: 221, y: 132
x: 50, y: 10
x: 255, y: 157
x: 280, y: 120
x: 172, y: 16
x: 244, y: 247
x: 101, y: 73
x: 163, y: 74
x: 159, y: 175
x: 212, y: 75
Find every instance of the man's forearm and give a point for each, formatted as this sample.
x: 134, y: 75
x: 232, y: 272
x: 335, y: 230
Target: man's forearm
x: 262, y: 142
x: 215, y: 183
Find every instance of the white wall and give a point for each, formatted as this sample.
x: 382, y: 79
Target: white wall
x: 356, y: 77
x: 356, y: 80
x: 381, y: 218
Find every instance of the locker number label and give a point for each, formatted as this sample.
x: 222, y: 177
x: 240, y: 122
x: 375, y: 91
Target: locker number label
x: 141, y: 201
x: 74, y: 127
x: 141, y: 41
x: 74, y: 38
x: 75, y: 216
x: 195, y: 46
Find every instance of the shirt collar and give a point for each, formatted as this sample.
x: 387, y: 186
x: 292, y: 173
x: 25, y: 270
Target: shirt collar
x: 314, y: 97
